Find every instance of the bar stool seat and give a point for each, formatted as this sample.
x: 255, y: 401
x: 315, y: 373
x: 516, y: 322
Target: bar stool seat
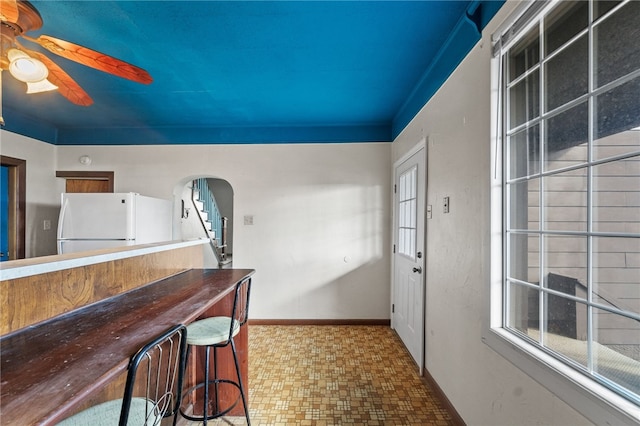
x: 105, y: 414
x: 215, y: 333
x: 211, y: 331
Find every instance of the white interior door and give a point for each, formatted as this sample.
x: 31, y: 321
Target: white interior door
x: 408, y: 265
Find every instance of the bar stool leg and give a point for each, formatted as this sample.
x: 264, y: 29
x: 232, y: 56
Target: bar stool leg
x: 215, y: 378
x: 205, y: 404
x: 244, y: 401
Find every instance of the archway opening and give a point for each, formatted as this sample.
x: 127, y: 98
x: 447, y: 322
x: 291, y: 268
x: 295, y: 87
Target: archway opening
x: 195, y: 218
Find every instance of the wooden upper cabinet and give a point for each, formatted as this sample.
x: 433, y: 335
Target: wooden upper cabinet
x: 87, y: 185
x: 87, y: 181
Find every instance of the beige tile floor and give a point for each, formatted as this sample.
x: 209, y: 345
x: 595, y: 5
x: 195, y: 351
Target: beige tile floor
x: 335, y: 375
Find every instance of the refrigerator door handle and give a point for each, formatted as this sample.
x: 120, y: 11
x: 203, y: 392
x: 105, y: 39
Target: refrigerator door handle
x: 63, y: 210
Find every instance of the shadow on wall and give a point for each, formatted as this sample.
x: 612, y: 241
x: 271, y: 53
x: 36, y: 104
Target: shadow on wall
x: 332, y: 261
x: 42, y: 231
x: 364, y: 299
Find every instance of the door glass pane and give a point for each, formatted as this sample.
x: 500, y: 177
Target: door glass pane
x: 411, y: 250
x: 616, y: 354
x: 407, y: 215
x: 412, y: 183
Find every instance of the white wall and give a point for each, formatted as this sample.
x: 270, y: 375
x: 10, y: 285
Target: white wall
x: 321, y: 213
x: 485, y: 388
x: 42, y: 191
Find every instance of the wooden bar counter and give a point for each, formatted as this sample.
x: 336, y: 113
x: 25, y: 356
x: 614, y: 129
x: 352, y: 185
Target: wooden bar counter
x: 50, y: 369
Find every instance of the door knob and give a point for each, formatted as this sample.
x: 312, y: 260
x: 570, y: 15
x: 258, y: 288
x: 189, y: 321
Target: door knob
x: 418, y: 270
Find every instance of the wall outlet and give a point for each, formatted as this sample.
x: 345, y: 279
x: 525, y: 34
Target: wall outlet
x: 248, y: 220
x: 46, y: 224
x: 445, y: 205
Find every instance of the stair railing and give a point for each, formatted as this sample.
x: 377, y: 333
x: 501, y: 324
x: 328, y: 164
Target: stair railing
x: 212, y: 221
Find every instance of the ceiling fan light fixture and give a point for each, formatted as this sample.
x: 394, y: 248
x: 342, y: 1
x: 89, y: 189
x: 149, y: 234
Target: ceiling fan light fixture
x: 25, y: 68
x: 40, y: 86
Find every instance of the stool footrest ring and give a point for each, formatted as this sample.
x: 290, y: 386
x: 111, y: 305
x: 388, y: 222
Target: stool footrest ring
x: 218, y: 413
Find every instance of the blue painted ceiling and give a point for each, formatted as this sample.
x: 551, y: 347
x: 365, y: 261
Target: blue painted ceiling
x: 247, y: 71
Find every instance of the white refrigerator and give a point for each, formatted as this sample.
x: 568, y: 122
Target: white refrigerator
x: 90, y: 221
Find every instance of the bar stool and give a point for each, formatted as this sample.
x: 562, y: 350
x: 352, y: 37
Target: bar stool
x: 218, y: 332
x: 153, y: 388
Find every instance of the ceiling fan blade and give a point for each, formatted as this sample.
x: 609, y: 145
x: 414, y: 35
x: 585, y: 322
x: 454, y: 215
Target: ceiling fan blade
x: 92, y: 58
x: 66, y: 85
x: 9, y: 10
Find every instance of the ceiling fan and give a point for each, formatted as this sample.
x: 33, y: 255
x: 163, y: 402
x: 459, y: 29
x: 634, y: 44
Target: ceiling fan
x: 41, y: 73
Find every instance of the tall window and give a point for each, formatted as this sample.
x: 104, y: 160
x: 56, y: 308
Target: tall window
x: 571, y: 181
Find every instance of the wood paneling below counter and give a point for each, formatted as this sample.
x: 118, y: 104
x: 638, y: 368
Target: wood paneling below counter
x: 31, y: 299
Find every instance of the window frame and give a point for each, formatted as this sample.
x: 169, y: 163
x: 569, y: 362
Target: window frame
x: 590, y: 398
